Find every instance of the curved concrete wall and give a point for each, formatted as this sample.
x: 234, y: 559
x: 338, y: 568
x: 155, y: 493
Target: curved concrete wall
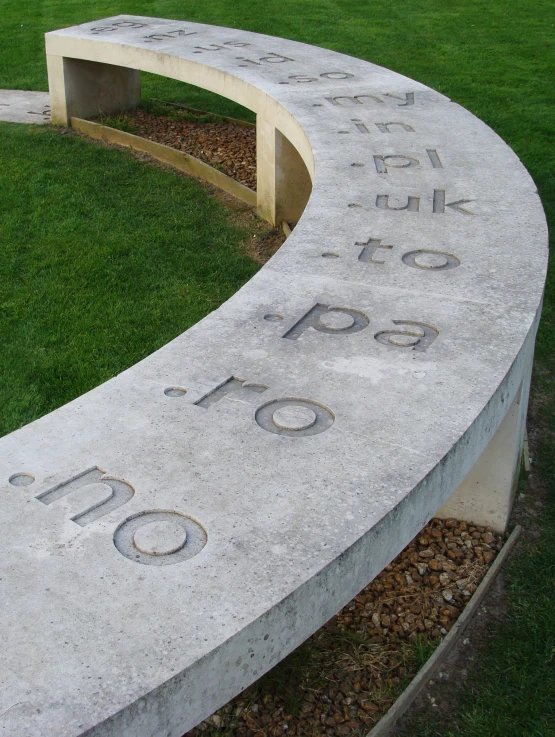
x: 177, y: 531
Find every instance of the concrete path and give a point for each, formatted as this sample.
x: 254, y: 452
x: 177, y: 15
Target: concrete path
x: 21, y: 106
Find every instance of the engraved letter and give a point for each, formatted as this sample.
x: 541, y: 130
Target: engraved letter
x: 301, y: 78
x: 162, y: 36
x: 337, y: 75
x: 211, y: 47
x: 408, y: 98
x: 129, y: 24
x: 369, y: 249
x: 383, y: 162
x: 356, y: 100
x: 102, y: 29
x: 294, y: 417
x: 181, y: 32
x: 384, y: 127
x: 413, y: 203
x: 349, y: 321
x: 275, y: 58
x: 440, y: 204
x: 430, y: 260
x: 418, y: 338
x: 159, y: 537
x: 238, y: 386
x: 120, y: 493
x: 434, y: 158
x: 360, y: 125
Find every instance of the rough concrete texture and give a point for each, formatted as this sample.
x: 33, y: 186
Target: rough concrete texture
x: 174, y: 533
x: 21, y: 106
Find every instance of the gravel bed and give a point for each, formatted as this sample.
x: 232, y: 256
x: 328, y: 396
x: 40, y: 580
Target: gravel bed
x: 229, y: 147
x: 345, y: 677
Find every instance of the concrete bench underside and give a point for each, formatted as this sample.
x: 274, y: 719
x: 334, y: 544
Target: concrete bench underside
x: 177, y: 531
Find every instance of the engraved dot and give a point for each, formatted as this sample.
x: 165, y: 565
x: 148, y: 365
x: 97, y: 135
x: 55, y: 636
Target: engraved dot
x: 430, y: 260
x: 330, y: 254
x: 419, y: 374
x: 335, y: 320
x: 273, y: 317
x: 357, y: 165
x: 21, y: 479
x: 404, y: 340
x: 336, y: 75
x: 162, y: 537
x: 294, y: 418
x: 175, y: 391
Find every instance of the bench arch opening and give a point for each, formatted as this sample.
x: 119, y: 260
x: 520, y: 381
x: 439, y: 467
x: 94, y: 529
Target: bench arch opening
x: 82, y: 87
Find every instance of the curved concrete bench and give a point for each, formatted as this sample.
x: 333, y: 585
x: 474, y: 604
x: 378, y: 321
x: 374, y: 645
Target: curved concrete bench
x: 177, y: 531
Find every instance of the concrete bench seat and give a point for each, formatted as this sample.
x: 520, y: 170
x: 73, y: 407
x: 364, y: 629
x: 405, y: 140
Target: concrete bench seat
x: 174, y: 533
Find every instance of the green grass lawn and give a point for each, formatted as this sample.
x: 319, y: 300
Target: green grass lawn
x: 91, y: 281
x: 104, y: 259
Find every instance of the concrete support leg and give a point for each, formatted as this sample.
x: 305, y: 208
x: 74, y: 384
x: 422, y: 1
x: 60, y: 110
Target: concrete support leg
x: 87, y: 88
x: 283, y: 181
x: 486, y: 495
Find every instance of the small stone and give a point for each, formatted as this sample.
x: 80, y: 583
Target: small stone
x: 447, y: 595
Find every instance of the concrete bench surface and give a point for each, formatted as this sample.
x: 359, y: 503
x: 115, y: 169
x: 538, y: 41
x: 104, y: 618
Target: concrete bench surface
x: 174, y: 533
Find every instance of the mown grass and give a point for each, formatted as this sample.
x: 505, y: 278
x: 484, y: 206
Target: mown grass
x: 104, y: 259
x: 494, y: 57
